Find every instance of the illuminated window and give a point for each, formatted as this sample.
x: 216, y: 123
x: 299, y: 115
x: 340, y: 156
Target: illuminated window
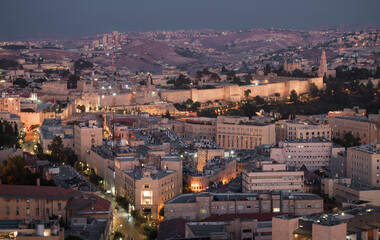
x: 276, y: 209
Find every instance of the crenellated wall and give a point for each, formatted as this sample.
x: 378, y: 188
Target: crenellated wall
x: 235, y: 92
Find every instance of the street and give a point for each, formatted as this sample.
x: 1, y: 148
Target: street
x: 123, y: 222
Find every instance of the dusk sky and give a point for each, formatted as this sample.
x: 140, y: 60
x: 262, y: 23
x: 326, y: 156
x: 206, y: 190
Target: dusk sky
x: 25, y: 18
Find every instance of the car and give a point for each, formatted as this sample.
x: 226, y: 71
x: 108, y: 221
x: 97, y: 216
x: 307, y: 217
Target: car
x: 85, y: 233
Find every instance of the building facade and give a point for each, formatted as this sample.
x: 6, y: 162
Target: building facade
x: 295, y: 129
x: 262, y: 177
x: 195, y: 207
x: 87, y: 136
x: 363, y: 163
x: 147, y: 183
x: 10, y: 104
x: 360, y: 127
x: 240, y: 133
x: 313, y: 153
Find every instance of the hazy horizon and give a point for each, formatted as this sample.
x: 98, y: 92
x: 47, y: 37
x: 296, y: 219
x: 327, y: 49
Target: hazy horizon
x: 25, y: 18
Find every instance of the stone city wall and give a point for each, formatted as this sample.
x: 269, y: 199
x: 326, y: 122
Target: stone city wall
x: 236, y: 93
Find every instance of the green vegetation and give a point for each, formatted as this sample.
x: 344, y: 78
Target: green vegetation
x: 123, y: 202
x: 348, y: 141
x: 81, y: 108
x: 117, y: 235
x: 139, y: 217
x: 8, y: 64
x: 150, y: 232
x: 82, y: 64
x: 161, y: 213
x: 22, y: 83
x: 9, y: 136
x: 189, y: 105
x: 14, y: 171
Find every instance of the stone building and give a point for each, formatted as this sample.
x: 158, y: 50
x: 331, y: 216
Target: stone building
x: 291, y: 66
x: 147, y: 183
x: 360, y: 127
x: 10, y: 104
x: 215, y: 170
x: 52, y: 128
x: 314, y: 153
x: 298, y: 129
x: 86, y: 136
x: 42, y: 202
x: 240, y: 133
x: 198, y: 206
x: 271, y: 176
x: 363, y: 163
x: 348, y: 223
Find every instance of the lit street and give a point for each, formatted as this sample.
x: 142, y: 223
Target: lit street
x: 124, y: 223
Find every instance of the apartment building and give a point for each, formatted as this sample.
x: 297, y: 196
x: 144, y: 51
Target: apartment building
x: 198, y: 206
x: 52, y: 128
x: 313, y: 153
x: 349, y: 223
x: 271, y: 176
x: 86, y: 136
x: 299, y: 129
x: 360, y: 127
x: 147, y: 183
x: 42, y: 202
x: 12, y: 119
x: 363, y: 163
x: 349, y: 191
x: 215, y: 171
x: 235, y: 132
x: 200, y: 128
x: 10, y: 104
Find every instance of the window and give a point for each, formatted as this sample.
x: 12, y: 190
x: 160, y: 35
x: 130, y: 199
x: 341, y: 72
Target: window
x: 27, y: 200
x: 308, y: 206
x: 8, y: 211
x: 59, y: 206
x: 27, y: 211
x: 37, y: 211
x: 7, y: 199
x: 247, y: 230
x: 17, y: 211
x: 248, y: 206
x: 47, y: 212
x: 146, y: 186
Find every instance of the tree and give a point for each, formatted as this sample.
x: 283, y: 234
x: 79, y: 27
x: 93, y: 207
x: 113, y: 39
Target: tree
x: 161, y: 213
x: 350, y: 141
x: 8, y: 135
x: 267, y: 69
x: 138, y: 216
x: 13, y: 170
x: 150, y: 232
x: 246, y: 93
x: 293, y: 96
x: 22, y: 83
x: 118, y: 235
x: 314, y: 90
x: 56, y: 148
x: 82, y: 108
x: 123, y: 202
x: 259, y: 100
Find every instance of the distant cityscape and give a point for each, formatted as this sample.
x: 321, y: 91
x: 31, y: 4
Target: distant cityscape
x: 191, y: 134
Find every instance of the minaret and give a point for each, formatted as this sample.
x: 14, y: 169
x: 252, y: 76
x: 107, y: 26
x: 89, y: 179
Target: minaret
x: 322, y: 65
x: 150, y: 80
